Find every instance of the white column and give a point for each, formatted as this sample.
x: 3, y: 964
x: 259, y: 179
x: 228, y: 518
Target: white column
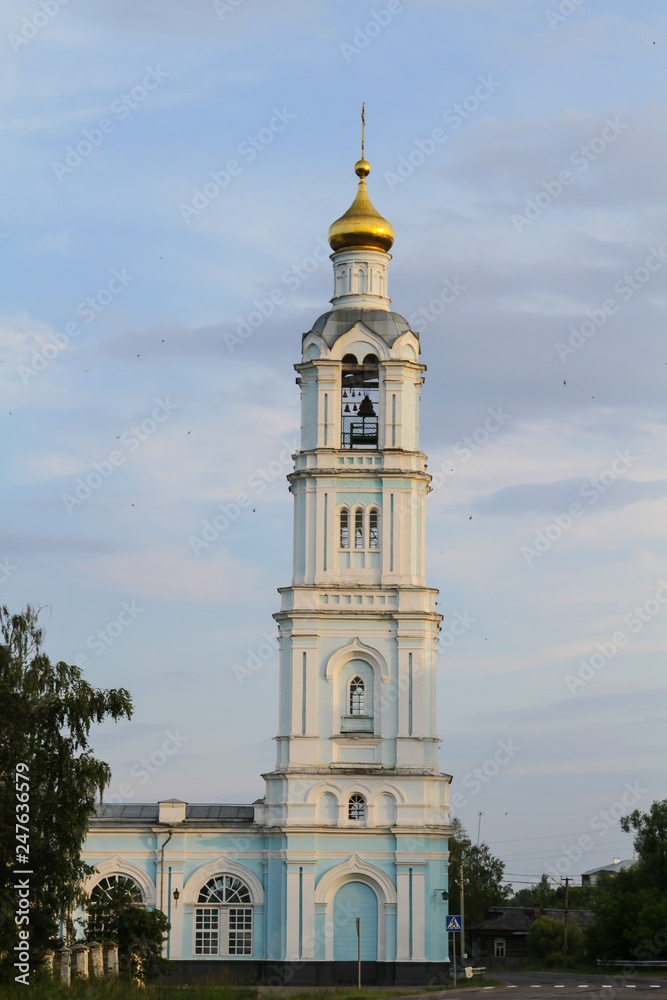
x: 418, y: 913
x: 176, y: 932
x: 308, y: 912
x: 292, y: 925
x: 402, y: 914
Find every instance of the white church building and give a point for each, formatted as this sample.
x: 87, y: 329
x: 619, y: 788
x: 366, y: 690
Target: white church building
x: 354, y: 820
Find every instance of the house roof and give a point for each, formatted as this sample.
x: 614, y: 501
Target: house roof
x: 518, y: 919
x: 113, y: 813
x: 618, y: 866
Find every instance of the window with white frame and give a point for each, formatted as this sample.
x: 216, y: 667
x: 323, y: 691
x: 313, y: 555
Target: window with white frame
x: 357, y: 696
x: 111, y: 885
x: 344, y: 528
x: 499, y: 948
x: 224, y: 926
x: 359, y: 529
x: 106, y: 895
x: 356, y: 808
x: 373, y: 532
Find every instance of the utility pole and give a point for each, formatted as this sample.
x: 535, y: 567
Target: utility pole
x: 567, y: 884
x: 462, y: 919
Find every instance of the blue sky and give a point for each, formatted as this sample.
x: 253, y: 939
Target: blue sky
x: 541, y: 199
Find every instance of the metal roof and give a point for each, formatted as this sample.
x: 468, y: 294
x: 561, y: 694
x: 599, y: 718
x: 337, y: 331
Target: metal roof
x: 148, y: 812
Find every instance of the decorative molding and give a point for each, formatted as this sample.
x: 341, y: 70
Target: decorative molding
x: 355, y: 870
x: 356, y: 333
x: 223, y: 866
x: 120, y: 866
x: 357, y: 650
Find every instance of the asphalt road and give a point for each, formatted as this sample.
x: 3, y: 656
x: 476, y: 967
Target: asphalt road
x: 525, y: 985
x: 532, y: 985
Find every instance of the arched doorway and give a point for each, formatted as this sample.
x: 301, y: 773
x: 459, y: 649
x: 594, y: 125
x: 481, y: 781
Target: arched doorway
x: 355, y: 899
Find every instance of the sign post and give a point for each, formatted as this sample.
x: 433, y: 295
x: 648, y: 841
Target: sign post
x: 359, y: 953
x: 453, y: 924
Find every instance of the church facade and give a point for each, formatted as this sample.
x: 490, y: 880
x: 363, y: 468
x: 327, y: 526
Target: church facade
x: 354, y: 822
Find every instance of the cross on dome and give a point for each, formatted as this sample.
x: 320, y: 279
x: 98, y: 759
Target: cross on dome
x: 362, y: 225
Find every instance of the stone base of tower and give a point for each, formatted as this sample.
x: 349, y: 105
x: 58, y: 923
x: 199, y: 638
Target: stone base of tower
x: 310, y: 973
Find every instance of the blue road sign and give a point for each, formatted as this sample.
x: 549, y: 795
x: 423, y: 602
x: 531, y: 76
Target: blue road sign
x: 453, y: 922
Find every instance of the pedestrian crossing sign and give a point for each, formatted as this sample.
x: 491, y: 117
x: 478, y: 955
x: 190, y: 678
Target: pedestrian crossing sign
x: 453, y: 922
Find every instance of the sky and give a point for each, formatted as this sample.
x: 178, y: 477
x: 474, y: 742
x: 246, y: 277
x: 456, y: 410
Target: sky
x: 170, y: 171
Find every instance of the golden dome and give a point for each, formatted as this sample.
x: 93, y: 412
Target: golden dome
x: 362, y: 225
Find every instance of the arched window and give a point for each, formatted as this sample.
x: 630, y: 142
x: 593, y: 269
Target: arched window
x: 106, y: 896
x: 356, y: 808
x: 373, y: 533
x: 357, y: 696
x: 111, y: 885
x: 344, y: 529
x: 358, y: 529
x: 224, y: 925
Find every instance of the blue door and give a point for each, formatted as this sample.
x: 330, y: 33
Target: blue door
x: 355, y: 899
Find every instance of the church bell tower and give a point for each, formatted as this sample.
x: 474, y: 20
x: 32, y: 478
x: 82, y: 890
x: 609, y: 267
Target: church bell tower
x: 356, y: 807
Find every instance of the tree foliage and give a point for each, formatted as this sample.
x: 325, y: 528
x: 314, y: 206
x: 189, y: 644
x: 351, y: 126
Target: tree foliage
x: 650, y: 844
x: 551, y: 895
x: 546, y: 936
x: 46, y: 713
x: 631, y: 906
x: 482, y: 877
x: 138, y: 932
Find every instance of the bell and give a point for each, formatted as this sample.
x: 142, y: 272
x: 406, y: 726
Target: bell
x: 366, y: 408
x: 355, y: 407
x: 344, y: 395
x: 347, y: 408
